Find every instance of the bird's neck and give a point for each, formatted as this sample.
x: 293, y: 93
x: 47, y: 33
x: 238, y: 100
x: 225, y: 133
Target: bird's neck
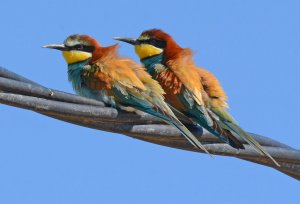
x: 151, y: 62
x: 104, y: 53
x: 74, y: 73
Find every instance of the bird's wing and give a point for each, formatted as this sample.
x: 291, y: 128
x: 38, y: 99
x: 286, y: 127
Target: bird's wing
x: 212, y: 88
x: 135, y: 87
x: 223, y: 121
x: 192, y: 89
x: 189, y: 78
x: 119, y: 72
x: 203, y: 88
x: 154, y: 95
x: 186, y: 71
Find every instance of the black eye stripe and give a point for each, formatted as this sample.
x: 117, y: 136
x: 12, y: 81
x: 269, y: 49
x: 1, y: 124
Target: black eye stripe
x: 78, y: 47
x: 155, y: 42
x: 82, y: 47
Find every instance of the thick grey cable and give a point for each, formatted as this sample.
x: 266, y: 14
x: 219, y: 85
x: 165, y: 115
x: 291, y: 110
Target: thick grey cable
x: 20, y: 92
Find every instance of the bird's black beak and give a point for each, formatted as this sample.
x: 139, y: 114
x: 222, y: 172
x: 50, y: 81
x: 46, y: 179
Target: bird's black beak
x: 60, y: 47
x: 131, y: 41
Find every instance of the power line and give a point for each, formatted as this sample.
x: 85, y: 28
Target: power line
x: 18, y: 91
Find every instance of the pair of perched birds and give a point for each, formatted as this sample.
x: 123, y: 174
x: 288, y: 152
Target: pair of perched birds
x: 168, y: 81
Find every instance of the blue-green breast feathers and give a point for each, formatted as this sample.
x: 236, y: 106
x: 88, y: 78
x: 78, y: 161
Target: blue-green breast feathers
x: 151, y: 62
x: 75, y: 77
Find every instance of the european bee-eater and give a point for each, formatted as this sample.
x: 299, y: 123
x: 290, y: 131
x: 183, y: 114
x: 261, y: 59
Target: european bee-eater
x: 190, y: 89
x: 93, y: 69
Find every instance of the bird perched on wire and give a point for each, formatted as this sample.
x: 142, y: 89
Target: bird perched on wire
x: 190, y: 89
x: 93, y: 69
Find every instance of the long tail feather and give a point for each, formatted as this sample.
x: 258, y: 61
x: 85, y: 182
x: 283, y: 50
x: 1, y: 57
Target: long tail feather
x: 239, y: 131
x: 189, y: 136
x: 216, y: 128
x: 225, y: 135
x: 157, y: 107
x: 182, y: 117
x: 175, y: 122
x: 227, y: 123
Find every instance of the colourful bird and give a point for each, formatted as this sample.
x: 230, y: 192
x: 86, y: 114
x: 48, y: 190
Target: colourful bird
x: 190, y: 89
x: 99, y: 73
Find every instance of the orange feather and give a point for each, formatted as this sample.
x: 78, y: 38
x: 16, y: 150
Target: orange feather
x: 198, y: 89
x: 201, y: 82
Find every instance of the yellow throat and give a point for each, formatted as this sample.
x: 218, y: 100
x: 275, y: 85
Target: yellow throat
x: 146, y: 50
x: 72, y: 57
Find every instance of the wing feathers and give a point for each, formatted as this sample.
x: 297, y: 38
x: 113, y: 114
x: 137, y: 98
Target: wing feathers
x: 207, y: 92
x: 132, y: 85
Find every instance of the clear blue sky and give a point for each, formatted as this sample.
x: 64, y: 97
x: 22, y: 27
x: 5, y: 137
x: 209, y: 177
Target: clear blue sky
x: 253, y: 47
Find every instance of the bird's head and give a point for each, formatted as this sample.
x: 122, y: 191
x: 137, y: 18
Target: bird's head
x: 77, y: 48
x: 154, y: 42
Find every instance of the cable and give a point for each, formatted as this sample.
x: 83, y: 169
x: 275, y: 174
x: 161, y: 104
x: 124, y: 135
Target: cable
x: 20, y: 92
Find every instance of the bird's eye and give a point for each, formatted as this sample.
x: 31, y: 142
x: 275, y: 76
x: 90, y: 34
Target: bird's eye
x: 157, y: 42
x: 78, y: 47
x: 152, y: 41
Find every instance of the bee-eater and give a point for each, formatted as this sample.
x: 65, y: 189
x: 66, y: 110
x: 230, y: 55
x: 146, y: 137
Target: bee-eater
x: 190, y: 89
x: 93, y: 69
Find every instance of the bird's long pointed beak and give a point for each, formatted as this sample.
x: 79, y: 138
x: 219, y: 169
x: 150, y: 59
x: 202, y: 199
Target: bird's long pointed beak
x: 61, y: 47
x: 131, y: 41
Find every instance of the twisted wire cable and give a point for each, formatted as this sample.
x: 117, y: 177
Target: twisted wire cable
x: 20, y: 92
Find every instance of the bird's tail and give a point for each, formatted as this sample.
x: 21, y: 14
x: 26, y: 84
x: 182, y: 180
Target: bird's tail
x: 172, y: 120
x: 250, y: 140
x: 216, y: 128
x: 225, y: 135
x: 157, y: 107
x: 226, y: 123
x: 189, y: 136
x: 225, y: 128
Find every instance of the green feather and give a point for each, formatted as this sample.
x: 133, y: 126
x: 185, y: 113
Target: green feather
x: 164, y: 113
x: 227, y: 122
